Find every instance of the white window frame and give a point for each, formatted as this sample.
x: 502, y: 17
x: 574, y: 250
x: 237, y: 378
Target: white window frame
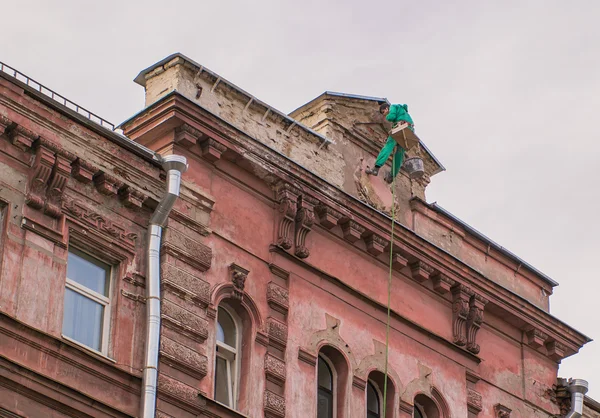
x: 334, y: 383
x: 96, y: 297
x: 233, y: 366
x: 379, y: 395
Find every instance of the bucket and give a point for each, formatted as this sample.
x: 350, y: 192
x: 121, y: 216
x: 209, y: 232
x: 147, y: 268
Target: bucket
x: 414, y: 167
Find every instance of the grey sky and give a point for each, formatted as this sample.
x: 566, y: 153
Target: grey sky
x: 503, y: 93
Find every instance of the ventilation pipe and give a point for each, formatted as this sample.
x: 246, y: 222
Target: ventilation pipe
x: 578, y: 389
x: 175, y: 166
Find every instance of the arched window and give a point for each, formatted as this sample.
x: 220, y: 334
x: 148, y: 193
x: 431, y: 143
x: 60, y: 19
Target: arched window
x: 418, y: 412
x: 227, y: 358
x: 374, y: 405
x: 426, y: 407
x: 326, y: 389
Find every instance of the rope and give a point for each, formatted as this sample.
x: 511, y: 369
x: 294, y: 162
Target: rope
x: 387, y: 327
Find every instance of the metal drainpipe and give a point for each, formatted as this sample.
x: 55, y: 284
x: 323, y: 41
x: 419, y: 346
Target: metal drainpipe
x: 175, y: 166
x: 578, y: 389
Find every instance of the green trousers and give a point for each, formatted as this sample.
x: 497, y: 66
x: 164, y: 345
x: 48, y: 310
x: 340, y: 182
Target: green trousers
x: 385, y: 153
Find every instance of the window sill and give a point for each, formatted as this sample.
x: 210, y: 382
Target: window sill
x: 77, y: 345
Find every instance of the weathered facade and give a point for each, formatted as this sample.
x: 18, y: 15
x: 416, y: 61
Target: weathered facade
x: 274, y: 268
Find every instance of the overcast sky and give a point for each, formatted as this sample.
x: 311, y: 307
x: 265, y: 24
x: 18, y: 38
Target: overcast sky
x: 504, y: 93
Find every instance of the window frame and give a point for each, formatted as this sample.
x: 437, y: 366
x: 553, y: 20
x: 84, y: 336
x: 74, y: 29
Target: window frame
x: 420, y: 410
x: 233, y: 366
x: 334, y: 387
x: 379, y: 395
x: 105, y: 301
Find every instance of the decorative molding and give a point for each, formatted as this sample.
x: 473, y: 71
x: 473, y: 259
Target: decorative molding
x: 278, y: 333
x: 262, y: 338
x: 183, y: 358
x: 135, y: 279
x: 274, y: 405
x: 187, y: 136
x: 474, y: 401
x: 502, y: 411
x: 278, y: 298
x: 352, y: 230
x: 375, y: 244
x: 307, y: 357
x: 83, y: 171
x: 134, y: 297
x: 186, y: 285
x: 4, y: 124
x: 178, y: 390
x: 556, y: 350
x: 287, y: 196
x: 50, y: 234
x: 305, y: 218
x: 441, y: 283
x: 536, y: 338
x: 92, y: 219
x: 279, y: 272
x: 461, y: 296
x: 406, y: 407
x: 187, y: 250
x: 420, y: 271
x: 474, y: 321
x: 472, y: 376
x: 177, y: 318
x: 238, y: 278
x: 275, y: 369
x: 107, y: 184
x: 328, y: 217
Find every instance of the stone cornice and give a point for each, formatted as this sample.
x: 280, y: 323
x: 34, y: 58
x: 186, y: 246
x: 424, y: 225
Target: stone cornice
x: 413, y: 247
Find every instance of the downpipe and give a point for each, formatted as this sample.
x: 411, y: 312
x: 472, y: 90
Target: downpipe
x: 578, y: 389
x: 175, y: 166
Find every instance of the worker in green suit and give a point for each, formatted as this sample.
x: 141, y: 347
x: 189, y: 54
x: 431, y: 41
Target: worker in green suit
x: 394, y: 114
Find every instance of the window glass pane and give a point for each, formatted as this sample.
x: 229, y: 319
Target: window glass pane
x: 220, y: 333
x: 83, y: 319
x: 228, y: 327
x: 325, y: 377
x: 325, y: 405
x: 372, y: 399
x: 92, y: 275
x: 222, y: 382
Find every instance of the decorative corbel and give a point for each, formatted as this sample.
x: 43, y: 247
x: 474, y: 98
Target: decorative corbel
x: 83, y: 171
x: 186, y: 136
x: 474, y: 402
x: 536, y: 338
x: 352, y: 230
x: 238, y: 277
x: 211, y: 149
x: 40, y: 173
x: 287, y: 196
x: 502, y: 411
x: 328, y: 217
x: 375, y: 244
x: 305, y: 218
x: 131, y: 198
x: 420, y: 271
x: 442, y: 283
x: 556, y: 350
x: 60, y: 175
x: 474, y: 321
x: 107, y: 184
x: 461, y: 295
x: 22, y: 137
x: 398, y: 261
x: 4, y: 124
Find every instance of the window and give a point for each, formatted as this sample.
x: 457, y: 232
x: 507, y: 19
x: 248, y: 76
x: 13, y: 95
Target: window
x: 227, y: 359
x: 373, y: 401
x: 418, y: 413
x: 87, y: 302
x: 325, y: 389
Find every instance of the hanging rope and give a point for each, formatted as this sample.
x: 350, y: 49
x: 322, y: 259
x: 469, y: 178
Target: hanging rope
x: 387, y: 327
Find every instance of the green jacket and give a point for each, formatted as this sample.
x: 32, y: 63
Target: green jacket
x: 399, y: 113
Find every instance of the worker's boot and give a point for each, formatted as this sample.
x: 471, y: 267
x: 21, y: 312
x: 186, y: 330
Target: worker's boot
x: 388, y: 177
x: 372, y: 171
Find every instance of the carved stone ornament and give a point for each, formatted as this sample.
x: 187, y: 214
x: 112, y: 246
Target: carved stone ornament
x: 287, y: 196
x: 274, y: 405
x: 352, y: 230
x: 474, y: 401
x: 60, y: 175
x: 441, y: 283
x: 83, y: 171
x: 474, y: 321
x: 375, y: 244
x: 461, y: 295
x: 420, y: 271
x: 107, y: 184
x: 536, y: 338
x: 211, y: 149
x: 278, y: 298
x: 187, y: 136
x: 305, y: 218
x: 40, y: 173
x: 274, y: 369
x: 4, y: 123
x: 238, y: 278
